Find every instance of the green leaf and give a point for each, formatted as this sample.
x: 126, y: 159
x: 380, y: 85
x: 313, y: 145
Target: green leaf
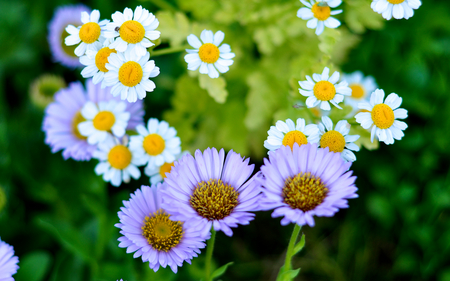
x: 215, y: 87
x: 220, y: 271
x: 174, y: 27
x: 299, y: 245
x: 33, y: 266
x: 289, y: 275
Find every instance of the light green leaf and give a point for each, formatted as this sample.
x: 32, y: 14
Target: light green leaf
x: 220, y: 271
x: 288, y: 275
x: 299, y: 245
x: 216, y: 87
x: 174, y: 27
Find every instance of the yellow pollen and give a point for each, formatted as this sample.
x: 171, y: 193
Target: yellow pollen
x: 357, y: 91
x: 130, y: 73
x: 214, y: 200
x: 324, y: 91
x: 132, y: 31
x: 104, y: 120
x: 209, y: 53
x: 334, y: 140
x: 162, y: 233
x: 90, y: 32
x: 154, y: 144
x: 119, y: 157
x: 304, y: 192
x: 77, y: 119
x: 165, y: 168
x: 396, y: 1
x: 294, y: 137
x: 383, y: 116
x: 321, y: 12
x: 101, y: 58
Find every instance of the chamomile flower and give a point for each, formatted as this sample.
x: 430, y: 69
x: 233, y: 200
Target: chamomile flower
x: 64, y: 15
x: 208, y: 55
x: 382, y: 114
x: 129, y: 74
x: 337, y: 139
x: 95, y: 60
x: 103, y: 119
x: 133, y: 32
x: 324, y: 90
x: 8, y: 262
x: 157, y: 144
x: 319, y: 14
x: 397, y: 8
x: 361, y: 87
x: 117, y: 162
x: 158, y: 173
x: 87, y: 34
x: 288, y: 133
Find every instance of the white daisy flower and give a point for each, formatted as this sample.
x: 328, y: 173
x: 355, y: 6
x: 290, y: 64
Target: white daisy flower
x: 208, y: 55
x: 397, y: 8
x: 117, y: 162
x: 95, y: 60
x: 157, y: 144
x: 158, y: 173
x: 383, y: 115
x: 89, y: 33
x: 324, y: 90
x: 129, y: 74
x: 361, y: 87
x: 337, y: 139
x: 288, y: 133
x: 108, y: 117
x: 319, y: 14
x: 133, y: 32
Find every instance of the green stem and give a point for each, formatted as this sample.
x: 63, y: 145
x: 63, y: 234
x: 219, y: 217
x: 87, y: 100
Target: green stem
x: 169, y: 50
x: 290, y: 252
x: 209, y: 253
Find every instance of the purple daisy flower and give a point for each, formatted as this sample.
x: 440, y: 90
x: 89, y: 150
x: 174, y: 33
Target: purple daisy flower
x: 64, y: 15
x: 63, y: 116
x: 305, y: 182
x: 8, y: 262
x: 212, y: 190
x: 149, y: 231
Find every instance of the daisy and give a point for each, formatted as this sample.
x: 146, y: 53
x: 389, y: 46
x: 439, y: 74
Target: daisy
x: 129, y: 74
x: 287, y: 133
x: 158, y: 143
x: 64, y: 15
x: 158, y: 173
x: 397, y: 8
x: 64, y: 114
x: 337, y: 140
x: 8, y: 262
x: 87, y: 34
x: 212, y: 190
x: 133, y: 33
x: 102, y: 119
x: 305, y: 181
x: 208, y: 55
x: 318, y: 14
x: 324, y: 90
x: 361, y: 87
x: 151, y: 232
x: 117, y: 162
x: 383, y: 115
x: 95, y: 60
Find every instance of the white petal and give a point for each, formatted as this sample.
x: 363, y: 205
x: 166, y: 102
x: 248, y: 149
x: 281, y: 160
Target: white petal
x: 193, y: 41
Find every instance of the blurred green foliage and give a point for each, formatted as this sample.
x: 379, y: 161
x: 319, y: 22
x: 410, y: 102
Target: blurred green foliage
x: 60, y: 216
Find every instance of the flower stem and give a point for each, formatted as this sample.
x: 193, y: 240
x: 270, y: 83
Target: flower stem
x: 290, y: 252
x: 170, y: 50
x: 209, y: 253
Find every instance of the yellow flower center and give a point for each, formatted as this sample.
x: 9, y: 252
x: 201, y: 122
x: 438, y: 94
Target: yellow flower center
x: 132, y: 32
x: 119, y: 157
x: 396, y: 1
x: 214, y: 200
x: 294, y: 137
x: 104, y: 120
x: 77, y: 119
x: 304, y: 192
x: 165, y: 168
x: 69, y: 50
x: 90, y: 32
x: 357, y: 91
x: 383, y: 116
x: 209, y: 53
x: 154, y: 144
x: 101, y: 58
x: 321, y: 12
x: 162, y: 233
x: 334, y: 140
x: 130, y: 73
x: 324, y: 91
